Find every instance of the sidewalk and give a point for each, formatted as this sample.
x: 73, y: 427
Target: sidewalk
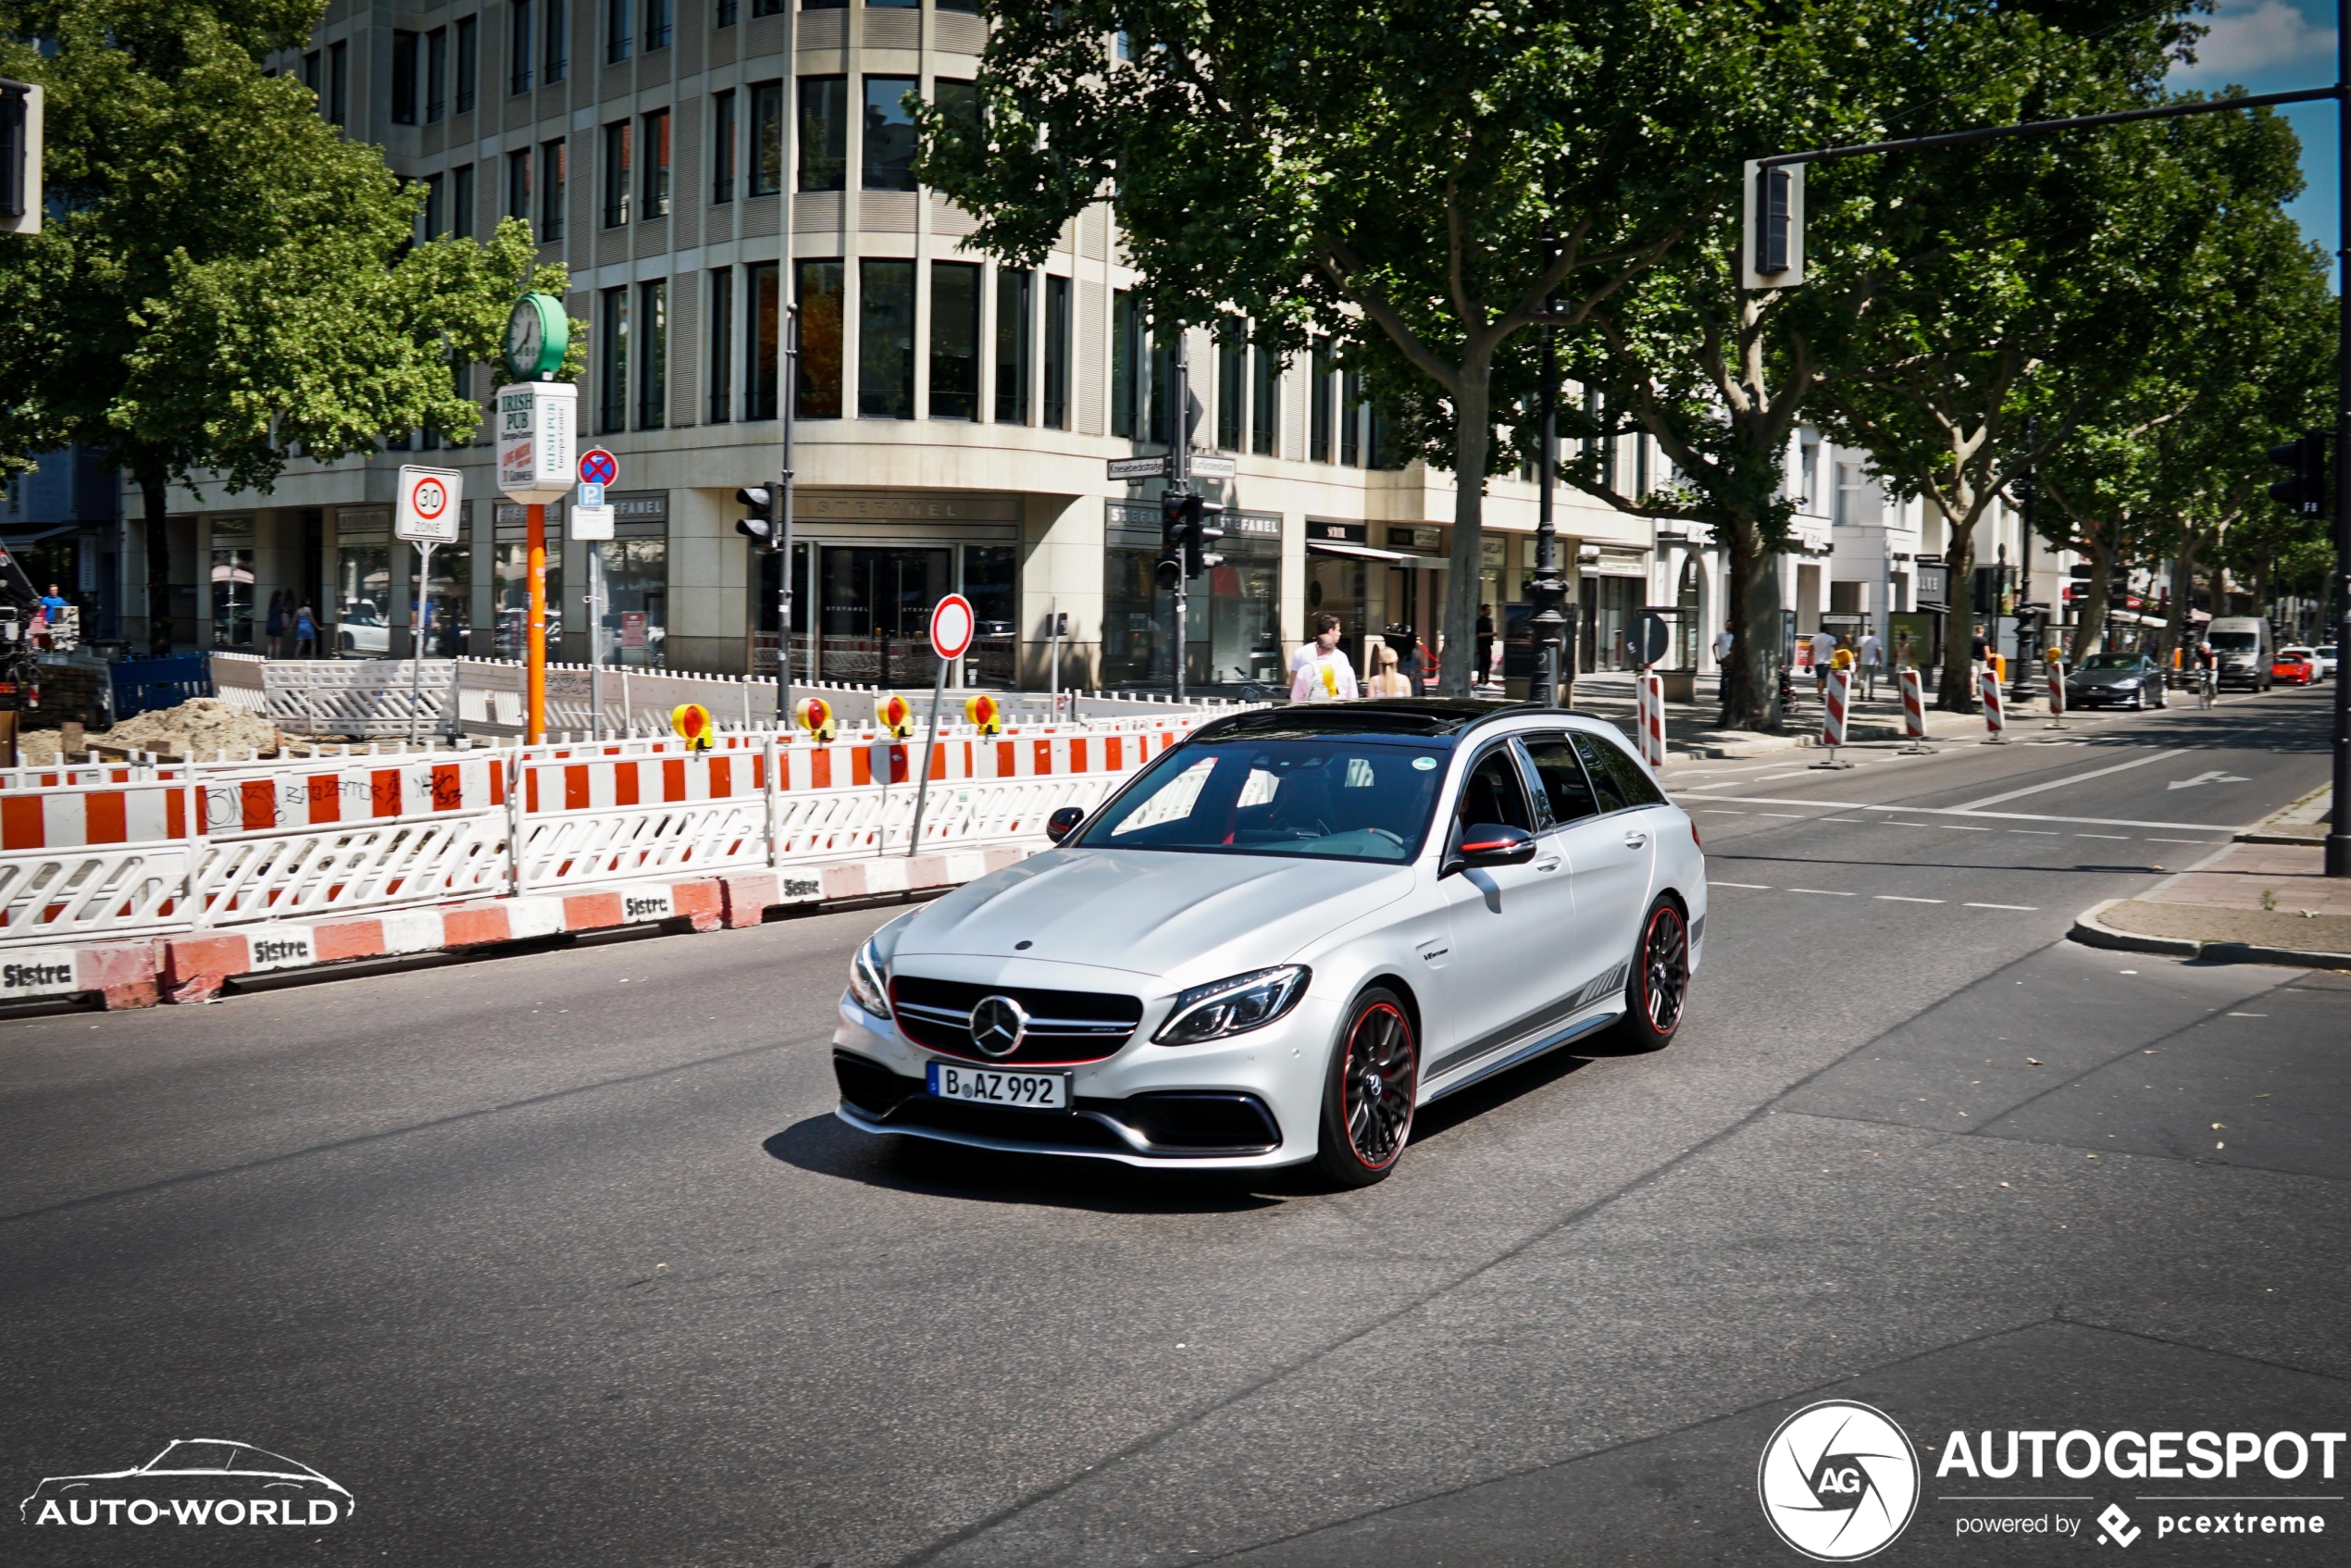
x: 1690, y: 731
x: 2264, y: 899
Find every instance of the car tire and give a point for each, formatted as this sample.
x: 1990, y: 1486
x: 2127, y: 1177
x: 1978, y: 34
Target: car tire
x: 1659, y: 981
x: 1368, y: 1092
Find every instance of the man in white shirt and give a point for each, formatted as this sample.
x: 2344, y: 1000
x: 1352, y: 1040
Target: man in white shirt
x: 1318, y: 671
x: 1873, y: 655
x: 1823, y: 650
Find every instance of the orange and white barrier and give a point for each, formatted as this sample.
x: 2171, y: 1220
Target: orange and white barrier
x: 1913, y: 688
x: 1995, y: 712
x: 1650, y: 691
x: 2057, y: 693
x: 1838, y: 702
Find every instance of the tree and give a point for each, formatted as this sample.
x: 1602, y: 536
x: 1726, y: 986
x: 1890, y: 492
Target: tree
x: 1383, y: 170
x: 230, y: 281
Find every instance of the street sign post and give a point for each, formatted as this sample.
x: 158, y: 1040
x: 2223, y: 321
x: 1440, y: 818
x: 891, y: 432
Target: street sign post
x: 1656, y: 636
x: 592, y: 522
x: 1204, y: 467
x: 431, y: 502
x: 535, y: 421
x: 951, y: 625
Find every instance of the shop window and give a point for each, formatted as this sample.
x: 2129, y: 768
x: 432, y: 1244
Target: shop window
x: 612, y: 321
x: 636, y: 601
x: 1058, y: 356
x: 818, y: 289
x: 875, y: 612
x: 510, y: 583
x: 954, y: 340
x: 448, y: 611
x: 719, y: 404
x: 888, y: 144
x: 1015, y: 289
x: 824, y: 135
x: 991, y: 582
x: 233, y: 582
x: 363, y: 600
x: 652, y: 354
x: 1230, y: 629
x: 886, y: 339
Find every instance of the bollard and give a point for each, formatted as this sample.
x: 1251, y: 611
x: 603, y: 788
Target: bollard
x: 1649, y: 688
x: 1995, y: 715
x: 1838, y: 700
x: 1913, y: 688
x: 2056, y: 695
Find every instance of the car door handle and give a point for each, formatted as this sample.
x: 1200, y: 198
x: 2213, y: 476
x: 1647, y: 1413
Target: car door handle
x: 1550, y: 865
x: 1635, y: 838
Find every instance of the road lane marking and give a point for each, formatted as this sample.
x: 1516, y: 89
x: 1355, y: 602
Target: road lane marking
x: 1717, y: 811
x: 2075, y: 778
x: 1954, y: 828
x: 2053, y: 833
x: 2021, y: 908
x: 1898, y: 898
x: 2187, y: 840
x: 1992, y: 816
x: 2117, y: 837
x: 1830, y: 892
x: 1751, y: 886
x: 1792, y: 816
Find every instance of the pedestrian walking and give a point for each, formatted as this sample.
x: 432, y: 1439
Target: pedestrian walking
x: 305, y: 632
x: 1484, y: 642
x: 1319, y: 670
x: 274, y: 629
x: 1873, y: 659
x: 1823, y: 650
x: 1724, y: 640
x: 1387, y: 679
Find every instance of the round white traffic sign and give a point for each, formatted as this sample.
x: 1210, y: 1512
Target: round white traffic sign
x: 430, y: 497
x: 950, y: 627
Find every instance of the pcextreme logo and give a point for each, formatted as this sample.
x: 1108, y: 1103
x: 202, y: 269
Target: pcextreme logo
x: 1839, y: 1480
x: 193, y: 1481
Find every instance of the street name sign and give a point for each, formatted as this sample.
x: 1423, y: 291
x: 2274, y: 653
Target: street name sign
x: 1138, y: 467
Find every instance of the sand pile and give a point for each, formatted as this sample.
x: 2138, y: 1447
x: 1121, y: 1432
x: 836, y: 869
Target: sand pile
x: 200, y: 725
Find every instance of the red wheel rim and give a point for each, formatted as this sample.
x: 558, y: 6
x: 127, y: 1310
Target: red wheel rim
x: 1665, y: 968
x: 1375, y: 1085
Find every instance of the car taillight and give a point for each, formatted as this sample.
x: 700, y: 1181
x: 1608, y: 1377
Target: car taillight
x: 1693, y: 837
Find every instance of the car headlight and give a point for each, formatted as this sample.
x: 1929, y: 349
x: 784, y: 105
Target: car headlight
x: 1235, y: 1005
x: 868, y: 981
x: 2127, y: 682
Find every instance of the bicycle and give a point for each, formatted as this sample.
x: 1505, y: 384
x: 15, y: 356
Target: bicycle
x: 2208, y: 688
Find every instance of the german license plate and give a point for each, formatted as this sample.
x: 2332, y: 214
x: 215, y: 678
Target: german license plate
x: 1040, y: 1091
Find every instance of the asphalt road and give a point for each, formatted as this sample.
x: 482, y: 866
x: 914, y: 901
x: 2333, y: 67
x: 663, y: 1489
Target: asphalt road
x: 561, y: 1258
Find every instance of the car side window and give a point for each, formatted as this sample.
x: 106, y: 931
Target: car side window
x: 1568, y: 791
x: 1623, y: 778
x: 1493, y: 793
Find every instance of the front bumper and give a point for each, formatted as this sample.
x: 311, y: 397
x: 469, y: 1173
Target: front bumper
x: 1253, y: 1100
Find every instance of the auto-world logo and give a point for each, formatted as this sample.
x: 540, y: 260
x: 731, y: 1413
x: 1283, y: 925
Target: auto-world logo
x: 193, y: 1481
x: 1839, y: 1481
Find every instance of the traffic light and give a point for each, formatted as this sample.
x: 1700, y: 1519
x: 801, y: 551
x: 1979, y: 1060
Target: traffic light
x: 1771, y: 253
x: 759, y: 523
x: 1203, y: 526
x: 2306, y: 491
x: 1175, y: 530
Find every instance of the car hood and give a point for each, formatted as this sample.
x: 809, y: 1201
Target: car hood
x: 1150, y: 912
x: 2104, y: 677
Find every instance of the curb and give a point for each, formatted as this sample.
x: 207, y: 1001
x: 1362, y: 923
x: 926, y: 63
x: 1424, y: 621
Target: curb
x: 193, y: 968
x: 2090, y: 931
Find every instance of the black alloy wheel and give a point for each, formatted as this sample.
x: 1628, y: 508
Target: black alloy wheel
x: 1367, y: 1104
x: 1660, y: 981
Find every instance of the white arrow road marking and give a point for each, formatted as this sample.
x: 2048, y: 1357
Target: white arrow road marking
x: 2214, y: 776
x: 2075, y: 779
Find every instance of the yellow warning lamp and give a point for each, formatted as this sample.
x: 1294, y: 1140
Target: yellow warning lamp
x: 896, y: 715
x: 816, y: 716
x: 691, y: 721
x: 986, y: 714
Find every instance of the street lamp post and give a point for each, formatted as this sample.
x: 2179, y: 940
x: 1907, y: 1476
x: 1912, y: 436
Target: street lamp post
x: 1548, y: 587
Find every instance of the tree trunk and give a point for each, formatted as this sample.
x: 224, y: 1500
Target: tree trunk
x: 1472, y: 433
x: 1957, y: 693
x: 1751, y: 600
x: 2175, y: 625
x: 155, y: 494
x: 2089, y: 632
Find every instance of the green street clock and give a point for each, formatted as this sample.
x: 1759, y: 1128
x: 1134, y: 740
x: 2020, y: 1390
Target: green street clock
x: 538, y: 334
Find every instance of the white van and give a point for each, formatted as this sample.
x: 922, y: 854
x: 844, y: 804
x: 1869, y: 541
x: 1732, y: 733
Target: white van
x: 2241, y: 643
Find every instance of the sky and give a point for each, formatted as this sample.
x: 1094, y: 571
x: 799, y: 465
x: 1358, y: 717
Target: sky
x: 2276, y: 46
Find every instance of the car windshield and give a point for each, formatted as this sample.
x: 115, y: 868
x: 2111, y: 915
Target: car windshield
x: 2232, y: 642
x: 1347, y: 797
x: 2111, y: 661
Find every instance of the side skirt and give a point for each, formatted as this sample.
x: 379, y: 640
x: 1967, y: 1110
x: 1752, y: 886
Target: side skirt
x: 1550, y: 1042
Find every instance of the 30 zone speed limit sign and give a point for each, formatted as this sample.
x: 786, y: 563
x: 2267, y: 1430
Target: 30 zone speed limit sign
x: 431, y: 503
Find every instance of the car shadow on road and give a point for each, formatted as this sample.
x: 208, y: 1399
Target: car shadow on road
x: 823, y: 1146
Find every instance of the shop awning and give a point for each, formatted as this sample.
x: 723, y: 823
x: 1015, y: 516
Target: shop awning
x: 1365, y: 553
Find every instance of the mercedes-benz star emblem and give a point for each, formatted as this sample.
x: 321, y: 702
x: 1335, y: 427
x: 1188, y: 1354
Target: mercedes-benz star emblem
x: 998, y: 1025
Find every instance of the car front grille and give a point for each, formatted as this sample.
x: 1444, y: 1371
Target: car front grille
x: 1063, y: 1026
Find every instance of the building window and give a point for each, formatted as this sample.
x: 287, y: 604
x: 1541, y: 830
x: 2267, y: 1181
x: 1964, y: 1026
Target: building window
x: 461, y: 201
x: 1266, y: 400
x: 558, y: 64
x: 652, y: 354
x: 403, y: 77
x: 1231, y: 350
x: 722, y: 146
x: 718, y: 404
x: 818, y: 287
x: 823, y: 133
x: 468, y: 62
x: 775, y: 7
x: 518, y: 46
x: 723, y: 16
x: 969, y: 8
x: 1350, y: 419
x: 760, y: 327
x: 311, y: 79
x: 611, y: 413
x: 656, y: 145
x: 617, y: 151
x: 617, y: 37
x: 555, y: 179
x: 1058, y: 357
x: 767, y: 138
x: 518, y: 184
x: 436, y: 214
x: 958, y: 100
x: 891, y: 4
x: 339, y: 84
x: 436, y: 74
x: 1318, y: 436
x: 1126, y: 362
x: 1014, y: 290
x: 656, y: 25
x: 889, y: 134
x: 954, y: 340
x: 886, y: 339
